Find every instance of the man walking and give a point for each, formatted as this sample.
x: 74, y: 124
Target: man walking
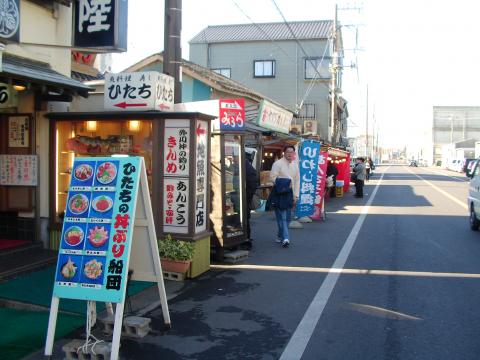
x: 285, y: 169
x: 360, y: 174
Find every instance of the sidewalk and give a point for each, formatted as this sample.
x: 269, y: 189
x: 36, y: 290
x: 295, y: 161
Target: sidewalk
x: 242, y: 310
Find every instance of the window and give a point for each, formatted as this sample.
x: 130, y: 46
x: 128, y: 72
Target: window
x: 264, y: 68
x: 223, y: 71
x: 307, y: 111
x: 320, y: 65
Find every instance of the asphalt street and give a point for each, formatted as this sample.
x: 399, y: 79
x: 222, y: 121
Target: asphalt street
x: 394, y: 275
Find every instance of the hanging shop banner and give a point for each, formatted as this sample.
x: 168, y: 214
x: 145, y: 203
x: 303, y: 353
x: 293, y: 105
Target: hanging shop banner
x: 309, y: 153
x: 18, y: 131
x: 232, y: 114
x: 97, y: 229
x: 274, y: 117
x: 176, y: 152
x: 139, y: 91
x: 201, y: 177
x: 19, y: 170
x: 321, y: 182
x: 10, y: 20
x: 101, y: 25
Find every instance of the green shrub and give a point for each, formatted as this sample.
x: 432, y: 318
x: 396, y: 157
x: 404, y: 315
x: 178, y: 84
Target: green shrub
x: 175, y: 249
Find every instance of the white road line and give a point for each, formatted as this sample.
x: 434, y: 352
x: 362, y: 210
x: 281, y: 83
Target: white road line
x: 454, y: 199
x: 300, y: 338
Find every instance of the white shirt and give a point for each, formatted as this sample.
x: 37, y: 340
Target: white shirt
x: 284, y: 169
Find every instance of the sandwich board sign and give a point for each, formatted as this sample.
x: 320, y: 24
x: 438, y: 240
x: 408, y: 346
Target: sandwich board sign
x: 108, y: 219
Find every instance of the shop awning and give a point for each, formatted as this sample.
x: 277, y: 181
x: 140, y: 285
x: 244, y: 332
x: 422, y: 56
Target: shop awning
x: 38, y: 73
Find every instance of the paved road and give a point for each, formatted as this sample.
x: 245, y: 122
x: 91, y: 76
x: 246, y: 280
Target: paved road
x: 405, y: 284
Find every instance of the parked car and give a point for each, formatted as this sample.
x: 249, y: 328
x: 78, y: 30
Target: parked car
x: 455, y: 165
x: 474, y: 196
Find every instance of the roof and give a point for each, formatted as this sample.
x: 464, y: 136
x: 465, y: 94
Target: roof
x: 209, y: 77
x: 86, y: 77
x: 40, y: 73
x: 303, y: 30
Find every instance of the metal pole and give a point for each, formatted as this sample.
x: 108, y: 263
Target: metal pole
x: 172, y: 58
x: 366, y: 128
x: 334, y: 78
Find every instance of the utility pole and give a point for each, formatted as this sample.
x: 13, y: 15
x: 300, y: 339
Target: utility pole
x: 366, y: 128
x: 172, y: 50
x: 334, y: 78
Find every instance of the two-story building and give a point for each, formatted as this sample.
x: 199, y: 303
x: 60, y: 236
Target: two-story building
x: 290, y: 63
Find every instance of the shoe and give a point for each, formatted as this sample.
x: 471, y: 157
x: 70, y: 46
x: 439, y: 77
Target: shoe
x: 278, y: 240
x: 285, y: 243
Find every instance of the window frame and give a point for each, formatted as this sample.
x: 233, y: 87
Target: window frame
x: 308, y: 61
x: 273, y: 63
x: 307, y: 106
x: 219, y: 71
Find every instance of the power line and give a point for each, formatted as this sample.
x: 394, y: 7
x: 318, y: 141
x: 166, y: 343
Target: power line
x: 295, y: 38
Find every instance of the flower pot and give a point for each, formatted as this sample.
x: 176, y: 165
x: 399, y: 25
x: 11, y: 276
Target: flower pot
x: 175, y: 266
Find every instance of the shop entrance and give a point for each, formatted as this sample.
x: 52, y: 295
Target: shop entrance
x: 18, y: 178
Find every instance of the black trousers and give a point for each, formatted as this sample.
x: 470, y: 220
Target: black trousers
x: 359, y: 187
x: 249, y: 200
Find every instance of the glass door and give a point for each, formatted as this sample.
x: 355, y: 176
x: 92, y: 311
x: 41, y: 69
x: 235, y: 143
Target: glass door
x: 233, y: 171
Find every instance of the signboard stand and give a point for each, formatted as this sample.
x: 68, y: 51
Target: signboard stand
x: 143, y: 241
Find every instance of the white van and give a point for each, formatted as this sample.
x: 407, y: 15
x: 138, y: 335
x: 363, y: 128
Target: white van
x: 474, y: 196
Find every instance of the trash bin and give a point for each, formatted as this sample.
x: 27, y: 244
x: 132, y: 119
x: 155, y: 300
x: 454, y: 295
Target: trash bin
x: 339, y: 188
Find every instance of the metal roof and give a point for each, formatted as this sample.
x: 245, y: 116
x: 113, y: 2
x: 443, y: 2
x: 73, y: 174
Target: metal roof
x: 36, y: 72
x: 303, y: 30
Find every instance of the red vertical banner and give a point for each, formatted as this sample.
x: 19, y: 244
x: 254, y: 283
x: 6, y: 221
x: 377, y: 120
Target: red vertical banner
x: 321, y: 181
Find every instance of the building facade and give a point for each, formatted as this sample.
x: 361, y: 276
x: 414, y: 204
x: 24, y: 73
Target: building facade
x: 294, y: 70
x: 452, y: 124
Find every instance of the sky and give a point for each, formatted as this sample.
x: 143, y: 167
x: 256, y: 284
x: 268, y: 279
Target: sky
x: 410, y: 54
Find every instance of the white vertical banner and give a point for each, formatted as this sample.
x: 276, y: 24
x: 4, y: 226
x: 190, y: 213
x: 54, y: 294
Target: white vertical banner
x: 201, y: 166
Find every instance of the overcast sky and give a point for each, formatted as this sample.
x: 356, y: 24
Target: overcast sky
x: 413, y: 54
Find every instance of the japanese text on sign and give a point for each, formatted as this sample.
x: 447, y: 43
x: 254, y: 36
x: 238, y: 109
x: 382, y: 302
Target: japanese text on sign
x: 232, y: 114
x: 97, y: 230
x: 139, y: 91
x: 309, y: 153
x: 18, y: 170
x: 175, y: 204
x: 95, y: 14
x: 201, y: 176
x: 176, y: 151
x: 321, y: 182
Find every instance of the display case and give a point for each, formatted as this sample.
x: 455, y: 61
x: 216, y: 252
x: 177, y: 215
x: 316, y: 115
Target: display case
x: 96, y: 138
x: 228, y: 190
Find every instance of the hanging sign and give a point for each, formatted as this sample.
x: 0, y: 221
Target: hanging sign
x: 139, y: 91
x: 274, y: 117
x: 201, y: 174
x: 97, y: 229
x: 309, y: 153
x: 18, y: 131
x: 321, y: 182
x: 101, y: 25
x: 19, y: 170
x: 232, y: 114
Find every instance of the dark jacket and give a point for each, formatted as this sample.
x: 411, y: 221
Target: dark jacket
x: 251, y: 178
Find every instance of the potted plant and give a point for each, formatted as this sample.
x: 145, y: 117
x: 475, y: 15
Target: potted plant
x: 175, y: 255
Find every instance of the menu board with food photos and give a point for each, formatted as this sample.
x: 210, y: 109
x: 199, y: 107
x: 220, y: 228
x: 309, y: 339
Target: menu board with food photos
x: 97, y: 229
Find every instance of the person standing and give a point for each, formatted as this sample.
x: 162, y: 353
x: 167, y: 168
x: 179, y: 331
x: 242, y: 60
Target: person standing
x: 284, y: 171
x: 367, y: 169
x: 251, y: 178
x: 332, y: 171
x: 360, y: 173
